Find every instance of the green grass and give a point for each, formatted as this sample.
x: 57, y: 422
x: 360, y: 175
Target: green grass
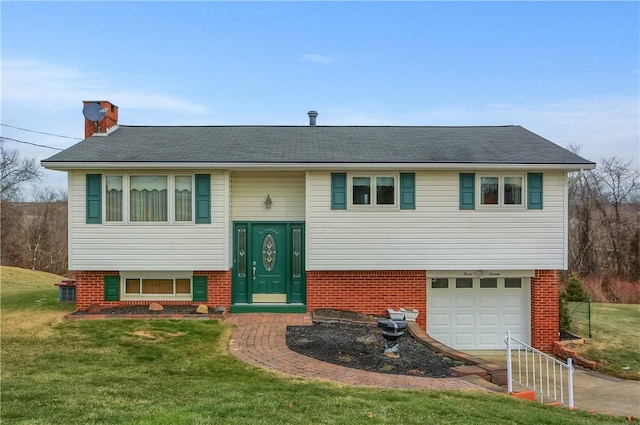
x: 615, y: 342
x: 181, y: 372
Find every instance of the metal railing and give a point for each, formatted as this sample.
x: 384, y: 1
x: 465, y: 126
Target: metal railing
x: 550, y: 378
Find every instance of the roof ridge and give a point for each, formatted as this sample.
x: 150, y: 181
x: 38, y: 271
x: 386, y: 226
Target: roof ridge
x: 316, y: 126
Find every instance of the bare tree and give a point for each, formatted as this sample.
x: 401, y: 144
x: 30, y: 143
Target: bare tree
x: 582, y: 247
x: 45, y: 231
x: 581, y: 226
x: 34, y: 234
x: 16, y: 171
x: 604, y: 221
x: 614, y: 186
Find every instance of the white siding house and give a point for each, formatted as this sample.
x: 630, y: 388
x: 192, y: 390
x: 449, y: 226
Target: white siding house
x: 467, y: 224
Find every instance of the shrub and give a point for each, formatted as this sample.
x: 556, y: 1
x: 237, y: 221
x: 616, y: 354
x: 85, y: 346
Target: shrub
x: 574, y: 291
x: 565, y: 317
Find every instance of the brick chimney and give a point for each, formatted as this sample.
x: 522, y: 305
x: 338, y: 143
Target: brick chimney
x: 104, y: 126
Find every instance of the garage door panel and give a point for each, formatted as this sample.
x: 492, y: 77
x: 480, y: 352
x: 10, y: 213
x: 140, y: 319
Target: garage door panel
x: 440, y: 301
x: 440, y: 320
x: 489, y: 301
x: 463, y: 301
x: 488, y: 319
x: 489, y: 339
x: 442, y: 337
x: 478, y: 318
x: 464, y: 320
x: 515, y: 319
x: 464, y: 339
x: 512, y: 300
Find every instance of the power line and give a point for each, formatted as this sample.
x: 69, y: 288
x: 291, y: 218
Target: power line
x: 40, y: 132
x: 29, y: 143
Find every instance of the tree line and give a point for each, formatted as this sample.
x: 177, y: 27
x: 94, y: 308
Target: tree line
x: 604, y: 230
x: 604, y: 221
x: 33, y: 233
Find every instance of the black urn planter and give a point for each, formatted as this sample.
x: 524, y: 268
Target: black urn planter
x: 391, y: 331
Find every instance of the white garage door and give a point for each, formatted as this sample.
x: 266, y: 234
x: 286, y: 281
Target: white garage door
x: 471, y: 313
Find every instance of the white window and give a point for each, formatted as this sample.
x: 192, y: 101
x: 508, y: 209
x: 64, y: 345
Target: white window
x: 157, y: 285
x: 183, y: 205
x: 501, y: 190
x: 148, y: 198
x: 375, y: 190
x: 113, y: 198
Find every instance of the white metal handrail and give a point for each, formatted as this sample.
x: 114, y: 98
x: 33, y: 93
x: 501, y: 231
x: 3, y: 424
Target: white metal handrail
x: 550, y: 378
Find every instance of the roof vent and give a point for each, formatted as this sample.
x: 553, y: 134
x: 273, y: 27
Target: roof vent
x: 312, y: 118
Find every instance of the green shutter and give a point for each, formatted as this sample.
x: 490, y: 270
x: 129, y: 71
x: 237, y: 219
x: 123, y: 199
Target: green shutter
x: 200, y: 288
x: 407, y: 191
x: 534, y: 191
x: 203, y: 198
x: 338, y: 191
x: 112, y: 288
x: 467, y: 191
x: 94, y: 199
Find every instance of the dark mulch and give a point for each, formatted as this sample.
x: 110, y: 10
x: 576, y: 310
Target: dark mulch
x: 361, y: 346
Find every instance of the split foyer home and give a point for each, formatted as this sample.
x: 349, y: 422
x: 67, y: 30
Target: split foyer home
x: 468, y: 225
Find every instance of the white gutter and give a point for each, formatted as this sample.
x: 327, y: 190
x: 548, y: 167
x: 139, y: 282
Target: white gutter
x: 251, y: 166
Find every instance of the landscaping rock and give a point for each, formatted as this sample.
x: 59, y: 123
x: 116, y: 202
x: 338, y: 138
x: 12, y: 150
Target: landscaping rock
x: 202, y: 309
x: 368, y: 340
x: 155, y: 307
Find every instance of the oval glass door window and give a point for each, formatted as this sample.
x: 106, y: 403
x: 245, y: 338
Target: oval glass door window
x: 269, y: 252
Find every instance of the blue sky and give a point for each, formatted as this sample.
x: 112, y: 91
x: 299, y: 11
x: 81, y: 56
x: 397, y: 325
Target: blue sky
x: 568, y: 71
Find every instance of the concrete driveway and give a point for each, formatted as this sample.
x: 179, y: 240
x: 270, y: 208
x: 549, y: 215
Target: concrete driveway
x: 606, y: 394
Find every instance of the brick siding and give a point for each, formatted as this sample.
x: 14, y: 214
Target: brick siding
x: 369, y: 292
x: 90, y: 290
x: 545, y: 309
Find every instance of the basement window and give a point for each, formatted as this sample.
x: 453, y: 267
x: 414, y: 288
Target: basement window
x: 157, y: 287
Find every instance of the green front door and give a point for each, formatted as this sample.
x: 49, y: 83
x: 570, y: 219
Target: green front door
x: 268, y: 267
x: 268, y: 260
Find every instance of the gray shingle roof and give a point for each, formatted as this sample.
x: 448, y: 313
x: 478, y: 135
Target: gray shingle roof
x: 319, y: 144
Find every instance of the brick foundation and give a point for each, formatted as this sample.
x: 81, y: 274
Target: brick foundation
x: 369, y: 292
x: 545, y: 309
x: 90, y: 290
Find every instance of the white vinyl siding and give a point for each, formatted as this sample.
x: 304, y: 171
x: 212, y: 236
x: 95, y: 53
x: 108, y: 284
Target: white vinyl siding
x: 250, y: 189
x: 437, y: 234
x: 145, y: 246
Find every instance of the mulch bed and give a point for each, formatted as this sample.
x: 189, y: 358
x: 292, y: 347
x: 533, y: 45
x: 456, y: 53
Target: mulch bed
x: 353, y: 340
x: 144, y: 309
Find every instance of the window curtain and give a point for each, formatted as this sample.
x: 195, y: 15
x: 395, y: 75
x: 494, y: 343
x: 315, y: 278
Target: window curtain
x: 149, y: 205
x: 114, y: 205
x: 183, y: 198
x: 148, y: 198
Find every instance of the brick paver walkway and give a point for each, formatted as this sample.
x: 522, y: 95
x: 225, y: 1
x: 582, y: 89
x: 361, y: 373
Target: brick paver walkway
x: 259, y: 339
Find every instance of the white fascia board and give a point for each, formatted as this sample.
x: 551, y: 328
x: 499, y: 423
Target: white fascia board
x: 253, y: 166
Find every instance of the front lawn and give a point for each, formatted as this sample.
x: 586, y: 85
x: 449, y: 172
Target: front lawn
x: 181, y: 372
